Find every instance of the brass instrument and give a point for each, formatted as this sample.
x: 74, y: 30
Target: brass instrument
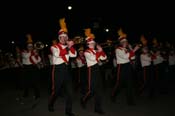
x: 38, y: 45
x: 78, y: 39
x: 107, y: 44
x: 138, y: 44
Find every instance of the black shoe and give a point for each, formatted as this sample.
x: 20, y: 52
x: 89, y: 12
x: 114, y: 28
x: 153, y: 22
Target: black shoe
x: 50, y: 108
x: 100, y: 112
x: 70, y: 114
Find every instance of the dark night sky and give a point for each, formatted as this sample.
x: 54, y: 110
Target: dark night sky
x: 41, y: 18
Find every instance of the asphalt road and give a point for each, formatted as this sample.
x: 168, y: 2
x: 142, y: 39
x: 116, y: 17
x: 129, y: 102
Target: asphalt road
x: 162, y: 105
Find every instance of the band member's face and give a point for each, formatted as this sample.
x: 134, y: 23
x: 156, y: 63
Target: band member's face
x: 91, y: 45
x: 29, y: 47
x: 63, y: 39
x: 145, y: 50
x: 125, y: 44
x: 81, y: 53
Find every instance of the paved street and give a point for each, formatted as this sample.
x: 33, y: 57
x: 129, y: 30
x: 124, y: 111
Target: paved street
x: 162, y: 105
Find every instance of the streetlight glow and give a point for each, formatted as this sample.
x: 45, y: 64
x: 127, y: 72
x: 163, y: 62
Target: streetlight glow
x: 107, y: 30
x: 69, y: 7
x: 12, y: 42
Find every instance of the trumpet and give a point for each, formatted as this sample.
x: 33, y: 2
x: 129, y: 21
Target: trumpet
x: 38, y: 45
x: 78, y: 40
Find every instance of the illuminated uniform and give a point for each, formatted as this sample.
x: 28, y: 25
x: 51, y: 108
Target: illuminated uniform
x: 147, y: 70
x: 61, y: 74
x: 82, y: 73
x: 124, y: 72
x: 31, y: 77
x: 92, y: 57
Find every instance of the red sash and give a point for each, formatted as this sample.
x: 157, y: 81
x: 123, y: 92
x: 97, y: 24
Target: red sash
x: 82, y: 60
x: 62, y: 56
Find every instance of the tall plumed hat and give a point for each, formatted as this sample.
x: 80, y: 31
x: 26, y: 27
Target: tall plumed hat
x: 89, y: 36
x: 122, y: 35
x: 63, y: 28
x: 29, y: 41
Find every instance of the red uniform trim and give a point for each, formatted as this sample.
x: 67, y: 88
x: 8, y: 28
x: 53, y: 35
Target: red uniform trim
x: 72, y: 50
x: 53, y: 80
x: 63, y: 54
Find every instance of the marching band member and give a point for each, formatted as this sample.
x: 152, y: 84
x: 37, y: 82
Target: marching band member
x: 29, y: 61
x: 92, y: 57
x: 60, y: 73
x: 142, y: 54
x: 82, y: 70
x: 158, y: 61
x: 124, y: 68
x: 159, y: 64
x: 148, y: 78
x: 50, y: 57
